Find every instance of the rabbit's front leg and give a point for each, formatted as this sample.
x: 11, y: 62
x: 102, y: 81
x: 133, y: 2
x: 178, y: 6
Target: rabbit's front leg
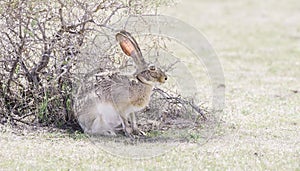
x: 126, y: 127
x: 133, y: 122
x: 134, y: 126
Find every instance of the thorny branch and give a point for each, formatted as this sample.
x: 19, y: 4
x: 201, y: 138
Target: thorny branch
x: 42, y: 43
x: 182, y: 101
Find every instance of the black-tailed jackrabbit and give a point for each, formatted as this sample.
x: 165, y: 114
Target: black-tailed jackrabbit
x: 117, y: 96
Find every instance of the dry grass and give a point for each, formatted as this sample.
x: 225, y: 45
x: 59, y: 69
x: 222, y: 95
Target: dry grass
x: 258, y: 44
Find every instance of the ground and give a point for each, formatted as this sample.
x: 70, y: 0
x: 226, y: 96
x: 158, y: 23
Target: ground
x: 258, y: 44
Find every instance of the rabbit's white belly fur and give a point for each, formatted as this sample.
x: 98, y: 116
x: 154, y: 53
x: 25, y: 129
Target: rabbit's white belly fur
x: 110, y: 119
x: 99, y: 118
x: 102, y: 118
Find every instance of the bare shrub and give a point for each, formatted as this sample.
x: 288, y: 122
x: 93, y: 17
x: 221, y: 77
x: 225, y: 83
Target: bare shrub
x: 43, y: 42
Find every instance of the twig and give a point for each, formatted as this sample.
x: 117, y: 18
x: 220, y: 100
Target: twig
x: 182, y: 101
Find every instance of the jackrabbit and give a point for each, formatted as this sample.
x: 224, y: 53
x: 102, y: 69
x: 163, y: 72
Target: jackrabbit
x: 117, y: 96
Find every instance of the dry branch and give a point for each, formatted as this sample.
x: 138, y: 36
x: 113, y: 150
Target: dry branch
x: 181, y: 100
x: 42, y: 43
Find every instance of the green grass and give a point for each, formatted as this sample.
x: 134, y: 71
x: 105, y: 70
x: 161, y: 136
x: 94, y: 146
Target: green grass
x: 258, y: 45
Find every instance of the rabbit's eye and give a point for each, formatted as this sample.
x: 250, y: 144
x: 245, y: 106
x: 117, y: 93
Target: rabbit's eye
x: 152, y: 68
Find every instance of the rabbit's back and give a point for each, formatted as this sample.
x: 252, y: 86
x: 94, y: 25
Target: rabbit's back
x: 113, y: 87
x: 126, y: 95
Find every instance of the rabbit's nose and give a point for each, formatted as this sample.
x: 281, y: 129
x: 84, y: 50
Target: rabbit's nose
x: 162, y: 79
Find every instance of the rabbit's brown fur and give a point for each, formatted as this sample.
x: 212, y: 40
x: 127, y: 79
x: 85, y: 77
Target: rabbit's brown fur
x: 116, y: 96
x: 127, y: 95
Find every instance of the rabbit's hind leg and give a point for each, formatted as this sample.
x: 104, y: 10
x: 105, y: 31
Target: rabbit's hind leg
x: 100, y: 127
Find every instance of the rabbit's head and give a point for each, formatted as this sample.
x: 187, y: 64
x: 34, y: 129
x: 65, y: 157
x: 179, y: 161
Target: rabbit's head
x: 152, y: 75
x: 146, y: 73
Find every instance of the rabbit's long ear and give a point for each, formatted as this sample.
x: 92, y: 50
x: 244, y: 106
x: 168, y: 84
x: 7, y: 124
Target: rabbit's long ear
x: 131, y: 48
